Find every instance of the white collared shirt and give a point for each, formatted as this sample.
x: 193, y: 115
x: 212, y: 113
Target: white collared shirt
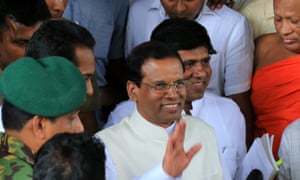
x: 230, y: 33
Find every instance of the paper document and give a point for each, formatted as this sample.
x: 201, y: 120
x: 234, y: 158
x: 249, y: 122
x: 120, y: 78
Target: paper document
x: 259, y: 157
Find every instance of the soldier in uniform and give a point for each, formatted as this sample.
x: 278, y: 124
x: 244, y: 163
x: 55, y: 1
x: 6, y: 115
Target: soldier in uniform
x: 41, y: 99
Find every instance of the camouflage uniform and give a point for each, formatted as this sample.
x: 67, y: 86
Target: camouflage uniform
x: 16, y: 159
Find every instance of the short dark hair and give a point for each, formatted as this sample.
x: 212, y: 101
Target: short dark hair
x: 28, y: 12
x: 143, y: 52
x: 13, y: 117
x: 182, y: 34
x: 59, y: 38
x: 70, y: 156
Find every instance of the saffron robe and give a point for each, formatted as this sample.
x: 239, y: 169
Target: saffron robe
x: 276, y: 98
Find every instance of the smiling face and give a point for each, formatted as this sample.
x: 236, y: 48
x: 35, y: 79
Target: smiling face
x: 188, y: 9
x: 197, y: 70
x: 287, y: 23
x: 13, y: 41
x: 159, y: 108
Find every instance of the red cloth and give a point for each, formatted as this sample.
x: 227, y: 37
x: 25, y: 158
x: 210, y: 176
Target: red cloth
x: 276, y: 98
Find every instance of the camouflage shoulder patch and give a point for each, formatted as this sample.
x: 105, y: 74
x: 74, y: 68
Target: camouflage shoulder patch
x: 13, y: 168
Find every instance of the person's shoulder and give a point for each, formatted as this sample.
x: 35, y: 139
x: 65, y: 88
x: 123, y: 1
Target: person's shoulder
x: 120, y: 1
x: 139, y: 7
x: 110, y: 131
x: 145, y: 4
x: 119, y: 4
x: 88, y: 5
x: 229, y: 14
x: 198, y: 127
x: 15, y: 168
x: 264, y: 49
x: 124, y: 106
x: 265, y: 42
x: 293, y: 127
x: 224, y: 103
x: 195, y: 123
x: 219, y: 99
x: 266, y: 39
x: 121, y: 110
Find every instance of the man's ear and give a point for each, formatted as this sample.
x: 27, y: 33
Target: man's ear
x: 132, y: 91
x: 11, y: 25
x: 38, y: 126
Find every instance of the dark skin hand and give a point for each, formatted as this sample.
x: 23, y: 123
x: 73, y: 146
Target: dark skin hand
x: 215, y: 4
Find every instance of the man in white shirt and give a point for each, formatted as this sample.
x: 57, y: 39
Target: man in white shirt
x: 230, y: 34
x: 289, y: 152
x: 191, y: 41
x: 138, y: 143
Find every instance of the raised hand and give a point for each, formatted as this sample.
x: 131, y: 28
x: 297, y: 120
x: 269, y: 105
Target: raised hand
x: 176, y: 159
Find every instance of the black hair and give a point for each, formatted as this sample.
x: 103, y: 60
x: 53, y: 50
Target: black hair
x: 182, y: 34
x: 142, y: 53
x: 59, y: 38
x: 26, y: 12
x: 70, y: 157
x: 13, y: 117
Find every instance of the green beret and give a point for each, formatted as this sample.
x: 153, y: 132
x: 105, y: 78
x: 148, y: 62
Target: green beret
x: 49, y: 87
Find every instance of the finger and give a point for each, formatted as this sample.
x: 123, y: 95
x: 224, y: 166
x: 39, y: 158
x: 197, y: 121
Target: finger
x: 195, y: 149
x: 170, y: 145
x: 177, y: 138
x: 179, y: 133
x: 168, y: 157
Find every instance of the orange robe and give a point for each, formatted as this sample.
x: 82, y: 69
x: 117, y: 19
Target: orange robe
x: 276, y: 98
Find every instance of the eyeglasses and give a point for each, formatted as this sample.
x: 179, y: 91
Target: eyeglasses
x: 163, y: 87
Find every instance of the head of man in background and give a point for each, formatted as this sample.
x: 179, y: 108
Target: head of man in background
x: 19, y: 19
x: 85, y: 158
x: 65, y: 38
x: 193, y: 44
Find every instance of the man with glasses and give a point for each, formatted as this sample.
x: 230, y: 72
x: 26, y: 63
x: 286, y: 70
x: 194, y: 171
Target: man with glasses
x: 192, y: 42
x: 230, y: 34
x: 138, y: 142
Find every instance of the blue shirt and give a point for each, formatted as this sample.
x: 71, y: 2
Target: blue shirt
x: 106, y: 20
